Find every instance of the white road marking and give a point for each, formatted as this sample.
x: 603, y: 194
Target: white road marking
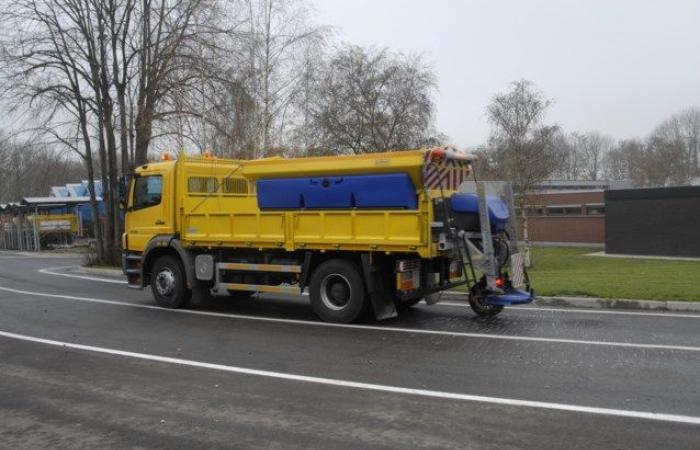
x: 51, y: 271
x: 364, y: 327
x: 585, y: 311
x: 35, y: 255
x: 662, y: 417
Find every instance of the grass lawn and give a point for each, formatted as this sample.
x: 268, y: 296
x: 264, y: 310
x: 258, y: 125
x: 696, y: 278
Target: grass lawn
x: 568, y: 271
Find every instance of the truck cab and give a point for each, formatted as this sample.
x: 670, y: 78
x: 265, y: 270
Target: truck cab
x: 150, y: 210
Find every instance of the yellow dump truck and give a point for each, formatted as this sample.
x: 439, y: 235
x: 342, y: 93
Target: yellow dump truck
x: 373, y: 232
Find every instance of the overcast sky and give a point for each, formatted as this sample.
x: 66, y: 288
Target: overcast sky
x: 617, y: 66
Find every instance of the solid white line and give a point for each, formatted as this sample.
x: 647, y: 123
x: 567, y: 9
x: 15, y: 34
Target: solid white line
x: 662, y: 417
x: 586, y: 311
x: 50, y: 271
x: 365, y: 327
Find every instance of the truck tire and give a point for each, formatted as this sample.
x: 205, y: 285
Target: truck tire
x: 168, y: 283
x: 477, y: 300
x: 337, y: 291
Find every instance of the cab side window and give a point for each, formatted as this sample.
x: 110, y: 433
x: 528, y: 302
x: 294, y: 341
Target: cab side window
x: 148, y: 191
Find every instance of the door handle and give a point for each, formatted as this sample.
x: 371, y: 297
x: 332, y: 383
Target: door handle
x: 160, y: 222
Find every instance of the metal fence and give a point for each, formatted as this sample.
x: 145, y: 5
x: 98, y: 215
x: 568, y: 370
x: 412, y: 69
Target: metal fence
x: 17, y: 233
x: 34, y: 232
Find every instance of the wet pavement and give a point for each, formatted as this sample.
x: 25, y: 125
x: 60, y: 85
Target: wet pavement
x: 86, y: 362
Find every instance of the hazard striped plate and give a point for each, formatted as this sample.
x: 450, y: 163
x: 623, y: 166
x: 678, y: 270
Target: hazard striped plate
x: 517, y: 264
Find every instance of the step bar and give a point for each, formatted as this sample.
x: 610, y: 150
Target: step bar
x: 252, y: 267
x: 248, y: 267
x: 280, y: 289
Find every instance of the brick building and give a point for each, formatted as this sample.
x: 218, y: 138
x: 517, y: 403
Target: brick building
x: 569, y: 211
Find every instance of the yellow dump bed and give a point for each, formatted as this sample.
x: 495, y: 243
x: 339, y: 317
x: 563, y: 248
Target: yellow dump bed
x: 216, y: 205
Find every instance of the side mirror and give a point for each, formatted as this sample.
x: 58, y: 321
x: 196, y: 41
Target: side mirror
x: 123, y: 190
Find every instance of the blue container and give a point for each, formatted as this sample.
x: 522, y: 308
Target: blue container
x: 394, y: 190
x: 466, y: 205
x: 391, y: 190
x: 281, y: 193
x: 327, y: 192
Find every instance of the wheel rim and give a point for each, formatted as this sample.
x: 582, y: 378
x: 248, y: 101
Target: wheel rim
x: 165, y: 282
x: 335, y: 291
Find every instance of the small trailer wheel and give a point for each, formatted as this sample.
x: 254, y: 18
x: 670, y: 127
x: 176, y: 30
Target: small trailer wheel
x: 477, y: 300
x: 168, y: 283
x: 337, y: 291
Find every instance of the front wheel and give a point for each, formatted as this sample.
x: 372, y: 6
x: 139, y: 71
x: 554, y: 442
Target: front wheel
x: 168, y: 283
x: 337, y: 291
x: 477, y: 300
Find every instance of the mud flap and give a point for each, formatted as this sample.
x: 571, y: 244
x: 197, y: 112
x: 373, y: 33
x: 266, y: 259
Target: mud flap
x: 380, y: 295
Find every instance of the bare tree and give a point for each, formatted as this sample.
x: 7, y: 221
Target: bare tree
x: 279, y: 34
x: 523, y: 150
x: 571, y: 167
x: 51, y: 73
x: 107, y: 70
x: 663, y: 163
x: 679, y: 137
x: 591, y: 148
x: 21, y: 161
x: 622, y: 161
x: 373, y: 100
x: 163, y: 30
x: 689, y: 124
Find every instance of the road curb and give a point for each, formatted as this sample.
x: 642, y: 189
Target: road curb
x: 557, y: 301
x: 607, y: 303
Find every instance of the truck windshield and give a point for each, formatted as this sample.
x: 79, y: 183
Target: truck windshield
x: 147, y: 191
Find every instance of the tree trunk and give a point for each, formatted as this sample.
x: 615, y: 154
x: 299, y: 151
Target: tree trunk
x: 123, y: 131
x: 104, y: 171
x: 526, y: 239
x: 96, y: 225
x: 143, y: 127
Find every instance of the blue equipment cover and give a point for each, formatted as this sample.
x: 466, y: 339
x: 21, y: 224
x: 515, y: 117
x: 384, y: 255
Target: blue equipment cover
x: 392, y: 190
x: 468, y: 203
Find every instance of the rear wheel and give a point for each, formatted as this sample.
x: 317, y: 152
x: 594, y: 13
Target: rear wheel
x: 477, y: 300
x: 168, y: 283
x: 337, y: 291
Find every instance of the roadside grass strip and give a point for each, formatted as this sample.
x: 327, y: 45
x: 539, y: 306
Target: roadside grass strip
x: 645, y: 415
x: 387, y: 329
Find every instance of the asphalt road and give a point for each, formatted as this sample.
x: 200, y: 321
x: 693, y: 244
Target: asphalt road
x: 87, y: 363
